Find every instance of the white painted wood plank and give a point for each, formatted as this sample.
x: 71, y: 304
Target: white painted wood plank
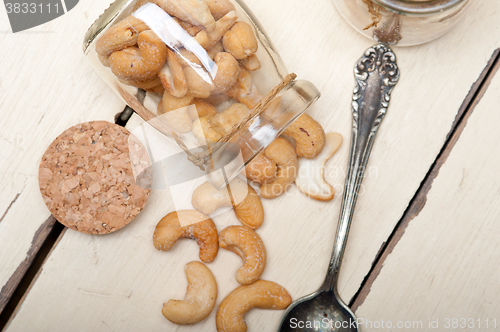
x: 119, y: 281
x: 446, y: 263
x: 46, y: 86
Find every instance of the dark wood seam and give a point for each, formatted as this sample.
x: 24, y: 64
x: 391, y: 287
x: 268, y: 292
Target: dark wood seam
x: 419, y: 200
x: 38, y: 239
x: 18, y: 306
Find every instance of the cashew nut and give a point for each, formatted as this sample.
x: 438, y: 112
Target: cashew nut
x: 247, y: 244
x: 261, y: 170
x: 179, y: 120
x: 217, y: 98
x: 229, y: 117
x: 308, y: 134
x: 172, y: 76
x: 200, y: 296
x: 217, y: 48
x: 240, y: 40
x: 262, y: 294
x: 310, y: 178
x: 145, y: 85
x: 120, y: 36
x: 245, y: 201
x: 283, y: 154
x: 197, y: 86
x: 211, y: 129
x: 250, y: 211
x: 251, y: 62
x: 144, y: 67
x: 207, y: 39
x: 244, y: 90
x: 201, y: 109
x: 205, y: 130
x: 196, y: 226
x: 228, y: 71
x: 103, y: 59
x: 219, y: 8
x: 195, y: 12
x: 187, y: 58
x: 171, y: 103
x: 192, y: 30
x: 158, y: 89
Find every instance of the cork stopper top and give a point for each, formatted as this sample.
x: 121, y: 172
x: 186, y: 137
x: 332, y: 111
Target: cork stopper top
x: 95, y: 177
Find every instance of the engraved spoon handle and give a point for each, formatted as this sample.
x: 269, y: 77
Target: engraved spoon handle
x: 376, y: 73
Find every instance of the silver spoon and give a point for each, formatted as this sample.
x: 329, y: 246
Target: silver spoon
x: 376, y: 74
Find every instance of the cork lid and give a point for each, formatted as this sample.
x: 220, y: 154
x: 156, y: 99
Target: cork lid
x: 95, y: 177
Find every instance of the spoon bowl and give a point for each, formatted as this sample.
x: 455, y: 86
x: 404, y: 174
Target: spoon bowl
x: 319, y: 311
x: 376, y: 74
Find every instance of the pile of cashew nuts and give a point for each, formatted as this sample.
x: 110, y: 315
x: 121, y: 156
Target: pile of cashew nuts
x: 209, y: 109
x: 139, y: 58
x: 201, y: 294
x: 200, y: 299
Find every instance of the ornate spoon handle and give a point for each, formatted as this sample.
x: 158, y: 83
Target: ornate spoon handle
x: 376, y: 74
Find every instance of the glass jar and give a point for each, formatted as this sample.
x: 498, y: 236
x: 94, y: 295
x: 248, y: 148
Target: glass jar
x: 206, y: 76
x: 402, y: 22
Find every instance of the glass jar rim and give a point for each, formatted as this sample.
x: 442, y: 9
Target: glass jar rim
x: 418, y: 7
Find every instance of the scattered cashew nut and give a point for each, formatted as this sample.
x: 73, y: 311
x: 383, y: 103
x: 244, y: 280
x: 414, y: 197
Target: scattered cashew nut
x: 308, y: 134
x: 247, y: 244
x: 197, y: 226
x: 144, y: 66
x: 120, y: 36
x: 262, y: 294
x: 310, y: 178
x: 245, y: 201
x: 200, y: 296
x: 283, y: 154
x: 240, y: 40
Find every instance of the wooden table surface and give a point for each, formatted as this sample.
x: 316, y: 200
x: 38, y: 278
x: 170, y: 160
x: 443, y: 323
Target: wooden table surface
x: 423, y: 250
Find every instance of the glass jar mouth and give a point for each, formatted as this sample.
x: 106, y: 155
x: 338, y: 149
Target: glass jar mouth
x: 418, y: 7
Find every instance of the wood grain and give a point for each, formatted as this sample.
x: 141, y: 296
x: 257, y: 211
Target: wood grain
x: 444, y: 266
x: 420, y: 199
x: 46, y: 86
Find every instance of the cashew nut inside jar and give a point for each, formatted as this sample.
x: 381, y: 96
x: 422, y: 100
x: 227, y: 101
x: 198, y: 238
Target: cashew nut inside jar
x: 201, y: 72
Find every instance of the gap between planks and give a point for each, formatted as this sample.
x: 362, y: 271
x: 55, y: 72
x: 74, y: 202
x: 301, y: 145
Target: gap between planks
x: 44, y: 241
x: 418, y: 201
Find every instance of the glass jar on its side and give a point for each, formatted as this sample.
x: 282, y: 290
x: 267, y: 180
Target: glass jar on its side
x: 202, y: 73
x: 403, y: 22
